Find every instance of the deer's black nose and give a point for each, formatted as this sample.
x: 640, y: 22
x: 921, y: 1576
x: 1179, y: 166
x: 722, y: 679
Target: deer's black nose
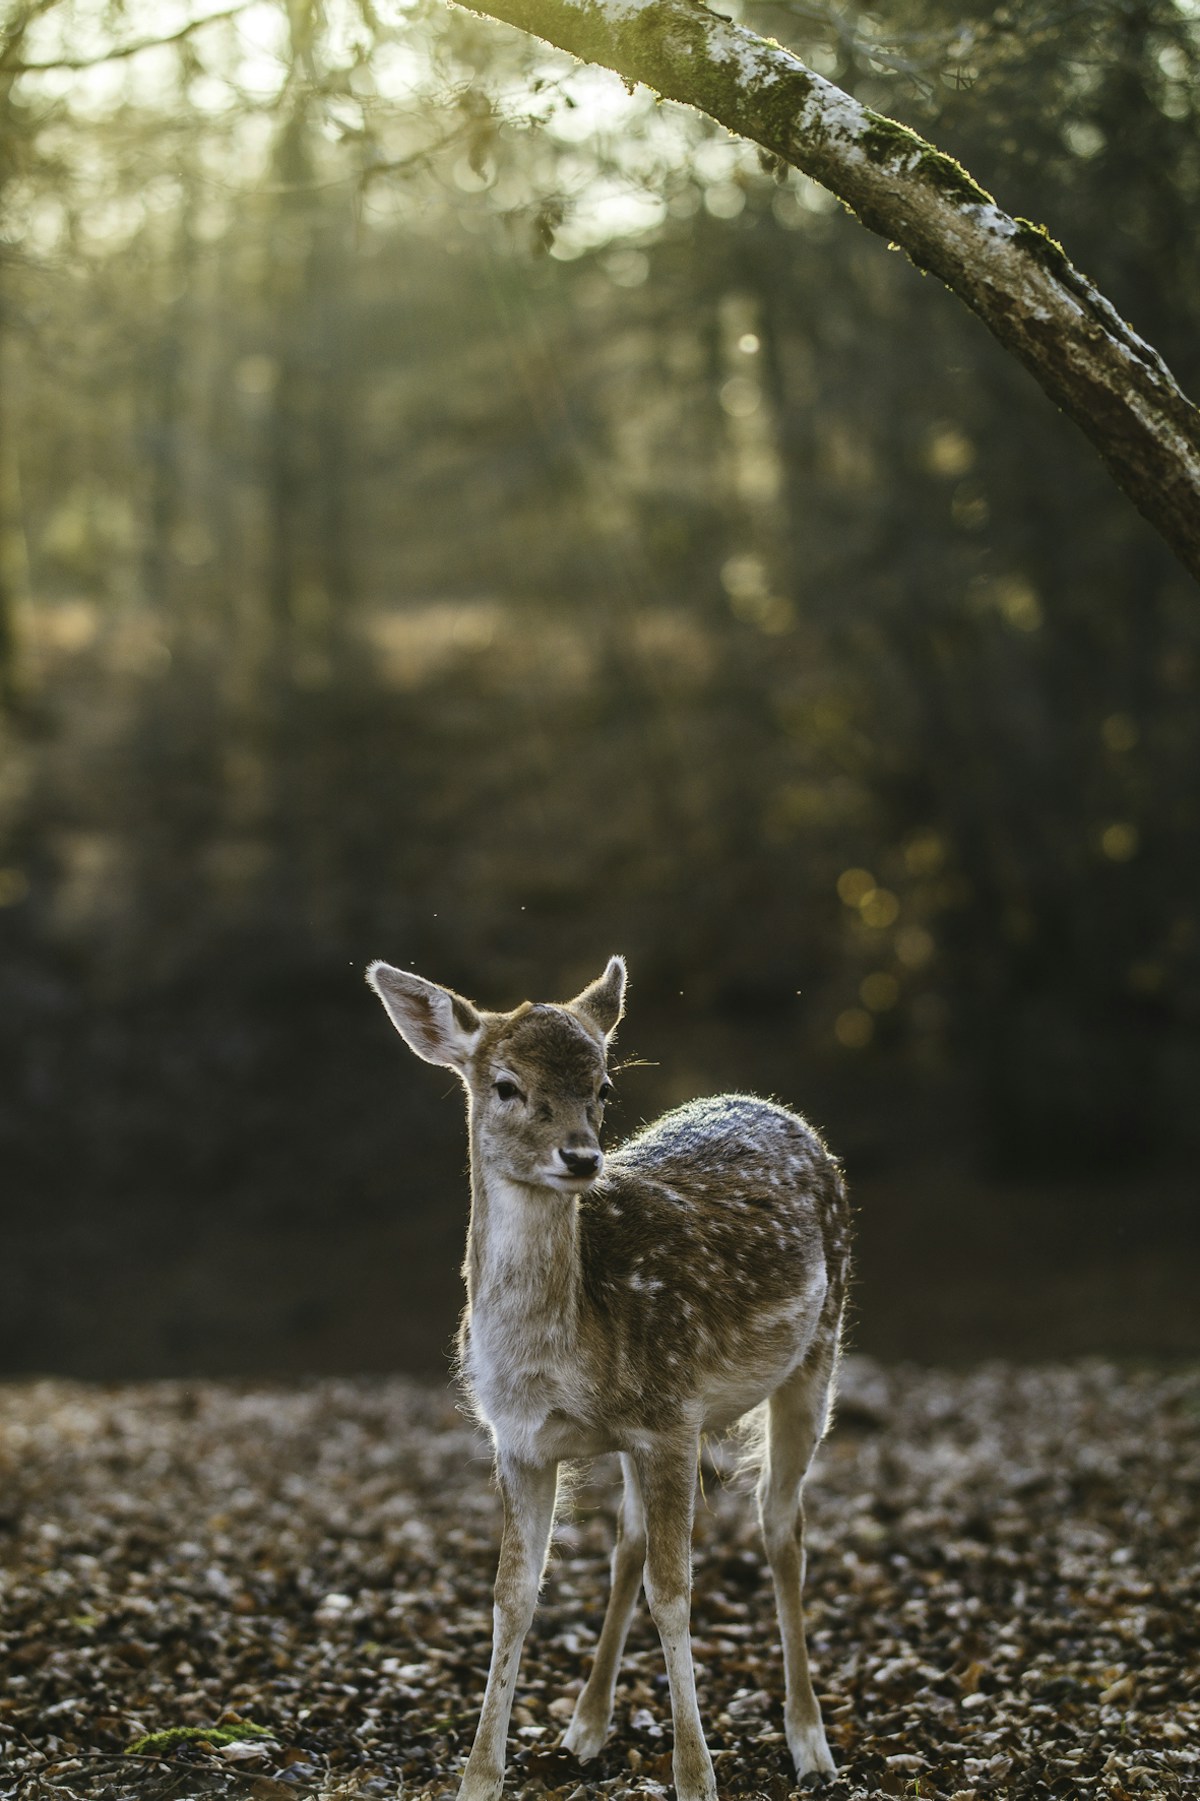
x: 581, y: 1163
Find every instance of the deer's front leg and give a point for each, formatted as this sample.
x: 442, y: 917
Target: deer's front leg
x: 528, y: 1493
x: 593, y: 1713
x: 668, y: 1481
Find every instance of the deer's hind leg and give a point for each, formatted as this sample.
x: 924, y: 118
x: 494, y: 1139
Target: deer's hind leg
x: 798, y: 1413
x: 667, y: 1475
x: 593, y: 1712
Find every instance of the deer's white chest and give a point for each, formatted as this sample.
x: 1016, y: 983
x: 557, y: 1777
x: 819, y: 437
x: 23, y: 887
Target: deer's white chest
x: 521, y: 1353
x: 530, y: 1401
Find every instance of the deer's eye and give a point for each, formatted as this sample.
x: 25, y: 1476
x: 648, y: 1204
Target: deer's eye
x: 604, y: 1092
x: 508, y: 1091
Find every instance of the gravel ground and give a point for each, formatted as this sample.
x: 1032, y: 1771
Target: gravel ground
x: 1004, y: 1584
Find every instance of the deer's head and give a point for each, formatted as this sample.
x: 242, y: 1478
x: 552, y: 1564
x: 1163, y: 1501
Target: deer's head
x: 537, y: 1077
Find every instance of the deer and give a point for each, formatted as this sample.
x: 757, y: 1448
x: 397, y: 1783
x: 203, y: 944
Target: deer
x: 631, y: 1303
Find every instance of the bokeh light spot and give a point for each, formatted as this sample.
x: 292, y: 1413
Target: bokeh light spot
x: 740, y: 396
x: 1119, y: 732
x: 924, y: 853
x: 853, y: 886
x: 879, y: 991
x: 879, y: 909
x: 724, y: 200
x: 1019, y: 606
x: 854, y: 1029
x: 914, y: 947
x: 948, y: 451
x: 1119, y: 841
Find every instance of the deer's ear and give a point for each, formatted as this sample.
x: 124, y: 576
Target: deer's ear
x: 603, y: 1001
x: 436, y: 1023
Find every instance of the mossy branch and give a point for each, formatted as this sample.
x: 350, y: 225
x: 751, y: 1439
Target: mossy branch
x: 1009, y: 271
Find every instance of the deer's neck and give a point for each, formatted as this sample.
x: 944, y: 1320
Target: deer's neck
x: 522, y: 1251
x: 521, y: 1341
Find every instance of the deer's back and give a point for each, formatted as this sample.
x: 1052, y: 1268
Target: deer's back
x: 735, y: 1147
x: 714, y: 1252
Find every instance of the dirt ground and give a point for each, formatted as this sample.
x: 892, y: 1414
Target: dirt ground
x: 1004, y: 1589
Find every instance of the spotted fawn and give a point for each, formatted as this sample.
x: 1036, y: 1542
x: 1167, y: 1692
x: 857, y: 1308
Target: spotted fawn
x: 630, y: 1303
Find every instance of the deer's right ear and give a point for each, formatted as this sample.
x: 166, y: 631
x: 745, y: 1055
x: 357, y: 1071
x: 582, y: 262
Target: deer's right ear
x: 603, y: 1001
x: 436, y: 1023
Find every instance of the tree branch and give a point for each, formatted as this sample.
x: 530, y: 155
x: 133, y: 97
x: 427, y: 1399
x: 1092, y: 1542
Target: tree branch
x: 1010, y: 272
x: 121, y: 51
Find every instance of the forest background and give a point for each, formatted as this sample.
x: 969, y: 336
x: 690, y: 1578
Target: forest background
x: 456, y: 509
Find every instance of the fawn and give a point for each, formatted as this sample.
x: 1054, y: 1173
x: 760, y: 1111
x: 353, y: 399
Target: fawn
x: 629, y: 1304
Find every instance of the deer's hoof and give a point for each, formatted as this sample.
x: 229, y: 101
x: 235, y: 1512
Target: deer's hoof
x: 584, y: 1737
x: 810, y: 1751
x: 697, y: 1783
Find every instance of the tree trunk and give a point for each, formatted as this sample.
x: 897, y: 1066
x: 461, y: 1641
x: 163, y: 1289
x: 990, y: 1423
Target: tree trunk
x: 16, y: 671
x: 1010, y: 272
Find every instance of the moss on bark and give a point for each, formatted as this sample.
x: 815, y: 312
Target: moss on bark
x: 1038, y: 242
x: 892, y: 145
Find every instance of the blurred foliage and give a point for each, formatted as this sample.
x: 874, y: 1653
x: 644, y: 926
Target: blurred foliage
x: 454, y: 509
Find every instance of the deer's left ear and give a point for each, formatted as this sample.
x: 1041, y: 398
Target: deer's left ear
x: 602, y: 1002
